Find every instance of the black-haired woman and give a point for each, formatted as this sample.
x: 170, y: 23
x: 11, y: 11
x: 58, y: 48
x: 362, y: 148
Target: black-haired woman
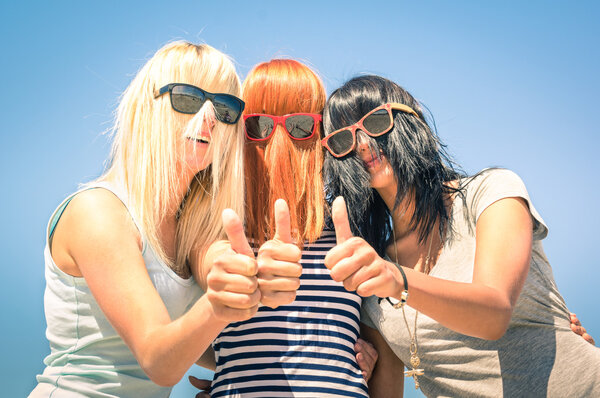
x: 483, y: 315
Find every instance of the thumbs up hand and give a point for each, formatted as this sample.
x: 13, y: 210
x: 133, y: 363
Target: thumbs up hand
x: 356, y: 264
x: 278, y: 261
x: 232, y: 285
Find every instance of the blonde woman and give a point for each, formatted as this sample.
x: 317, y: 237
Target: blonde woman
x: 125, y: 317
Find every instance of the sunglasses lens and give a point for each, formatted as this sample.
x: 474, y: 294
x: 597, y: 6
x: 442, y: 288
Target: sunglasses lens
x: 341, y: 142
x: 300, y: 126
x: 378, y: 122
x: 227, y: 108
x: 187, y: 99
x: 259, y: 127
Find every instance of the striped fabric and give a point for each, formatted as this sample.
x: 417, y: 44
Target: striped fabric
x: 305, y: 349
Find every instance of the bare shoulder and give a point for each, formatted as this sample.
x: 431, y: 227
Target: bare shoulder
x: 99, y: 211
x: 95, y: 220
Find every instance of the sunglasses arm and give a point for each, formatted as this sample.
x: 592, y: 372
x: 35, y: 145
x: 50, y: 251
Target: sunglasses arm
x: 164, y: 89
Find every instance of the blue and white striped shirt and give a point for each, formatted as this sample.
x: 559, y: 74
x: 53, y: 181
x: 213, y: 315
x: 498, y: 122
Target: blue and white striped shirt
x: 304, y: 349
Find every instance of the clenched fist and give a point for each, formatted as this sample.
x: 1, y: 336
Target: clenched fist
x: 279, y: 268
x: 232, y: 285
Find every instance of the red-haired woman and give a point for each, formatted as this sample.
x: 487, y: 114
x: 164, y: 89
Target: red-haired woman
x: 302, y: 340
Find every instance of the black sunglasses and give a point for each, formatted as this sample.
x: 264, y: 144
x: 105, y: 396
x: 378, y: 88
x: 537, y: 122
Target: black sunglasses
x: 186, y: 98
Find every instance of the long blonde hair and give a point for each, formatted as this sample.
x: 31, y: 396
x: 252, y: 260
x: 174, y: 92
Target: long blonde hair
x: 145, y: 154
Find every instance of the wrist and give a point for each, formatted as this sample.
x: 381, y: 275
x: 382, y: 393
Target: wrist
x: 213, y: 313
x: 401, y: 293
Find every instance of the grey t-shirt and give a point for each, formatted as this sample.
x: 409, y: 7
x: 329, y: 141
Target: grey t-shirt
x: 539, y: 356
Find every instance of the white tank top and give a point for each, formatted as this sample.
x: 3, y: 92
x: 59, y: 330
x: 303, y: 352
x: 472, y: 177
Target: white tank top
x: 87, y: 356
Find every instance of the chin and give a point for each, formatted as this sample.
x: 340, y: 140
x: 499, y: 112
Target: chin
x: 382, y: 178
x: 197, y: 166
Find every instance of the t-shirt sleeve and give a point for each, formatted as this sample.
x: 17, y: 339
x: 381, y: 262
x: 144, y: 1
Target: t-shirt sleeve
x: 495, y: 184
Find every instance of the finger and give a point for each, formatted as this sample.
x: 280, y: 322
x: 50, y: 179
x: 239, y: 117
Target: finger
x: 345, y: 269
x: 235, y: 301
x: 240, y: 264
x: 361, y: 275
x: 370, y: 287
x: 368, y: 349
x: 341, y: 251
x: 235, y: 233
x: 199, y: 383
x: 339, y: 215
x: 283, y: 231
x: 233, y: 283
x: 275, y: 299
x: 364, y: 366
x: 281, y: 251
x: 278, y: 284
x: 588, y: 338
x: 575, y: 320
x: 272, y: 268
x: 576, y: 329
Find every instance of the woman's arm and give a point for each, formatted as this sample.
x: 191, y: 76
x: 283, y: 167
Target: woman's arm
x: 387, y: 380
x: 482, y: 308
x: 104, y: 244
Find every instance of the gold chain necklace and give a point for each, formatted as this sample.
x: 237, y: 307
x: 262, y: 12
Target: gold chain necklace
x: 415, y: 361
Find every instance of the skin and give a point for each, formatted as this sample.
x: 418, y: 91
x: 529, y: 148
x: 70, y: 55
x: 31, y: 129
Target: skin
x: 274, y: 274
x: 276, y: 268
x: 97, y: 239
x: 481, y: 309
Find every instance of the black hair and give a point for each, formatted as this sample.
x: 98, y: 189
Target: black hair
x: 418, y: 158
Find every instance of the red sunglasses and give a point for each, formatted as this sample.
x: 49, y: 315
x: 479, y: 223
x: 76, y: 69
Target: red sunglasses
x: 375, y: 123
x: 299, y: 126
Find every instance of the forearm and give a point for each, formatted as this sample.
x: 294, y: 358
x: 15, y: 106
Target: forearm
x: 168, y: 351
x: 473, y: 308
x: 387, y: 380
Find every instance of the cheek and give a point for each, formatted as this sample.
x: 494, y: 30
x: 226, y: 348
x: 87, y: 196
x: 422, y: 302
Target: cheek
x: 197, y: 155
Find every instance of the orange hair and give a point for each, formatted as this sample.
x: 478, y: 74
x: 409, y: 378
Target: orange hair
x: 282, y: 167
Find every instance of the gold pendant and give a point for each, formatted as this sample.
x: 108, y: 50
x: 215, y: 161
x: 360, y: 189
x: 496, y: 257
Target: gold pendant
x: 414, y: 372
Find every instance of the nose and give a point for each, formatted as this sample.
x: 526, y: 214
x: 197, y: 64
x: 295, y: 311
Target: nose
x: 362, y: 142
x: 211, y: 122
x: 210, y: 119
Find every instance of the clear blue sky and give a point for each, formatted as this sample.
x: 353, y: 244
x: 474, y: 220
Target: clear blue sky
x: 510, y: 83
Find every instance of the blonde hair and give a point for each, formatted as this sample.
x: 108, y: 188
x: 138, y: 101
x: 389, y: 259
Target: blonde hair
x: 146, y: 152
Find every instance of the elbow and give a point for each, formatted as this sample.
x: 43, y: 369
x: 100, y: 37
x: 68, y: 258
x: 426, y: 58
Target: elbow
x: 160, y: 373
x: 494, y: 333
x: 498, y: 324
x: 162, y: 378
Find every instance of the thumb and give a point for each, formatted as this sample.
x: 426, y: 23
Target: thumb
x: 282, y: 222
x: 235, y: 233
x: 339, y: 215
